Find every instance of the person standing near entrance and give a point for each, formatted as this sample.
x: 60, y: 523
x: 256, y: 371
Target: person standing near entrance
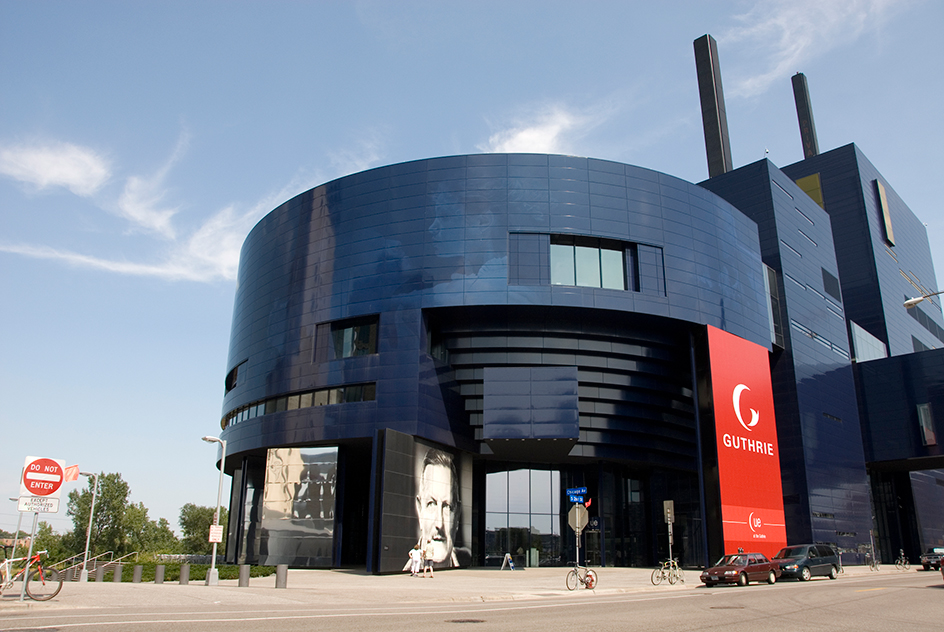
x: 429, y: 554
x: 416, y: 560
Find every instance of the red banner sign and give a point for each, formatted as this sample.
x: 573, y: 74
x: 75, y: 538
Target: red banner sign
x: 746, y: 434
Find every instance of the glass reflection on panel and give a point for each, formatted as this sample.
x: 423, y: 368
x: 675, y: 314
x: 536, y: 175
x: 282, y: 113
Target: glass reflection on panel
x: 540, y: 491
x: 555, y: 492
x: 545, y: 541
x: 496, y: 492
x: 496, y: 537
x: 612, y: 269
x: 562, y: 265
x: 588, y: 266
x: 519, y: 521
x: 298, y: 506
x: 519, y: 491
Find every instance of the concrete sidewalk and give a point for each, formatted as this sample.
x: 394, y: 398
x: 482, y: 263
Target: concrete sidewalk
x: 326, y: 588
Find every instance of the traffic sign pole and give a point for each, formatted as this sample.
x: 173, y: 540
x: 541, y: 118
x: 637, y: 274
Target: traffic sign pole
x: 29, y: 555
x: 577, y: 544
x: 577, y: 516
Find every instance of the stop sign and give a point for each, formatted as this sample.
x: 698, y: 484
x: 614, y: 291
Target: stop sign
x: 42, y: 477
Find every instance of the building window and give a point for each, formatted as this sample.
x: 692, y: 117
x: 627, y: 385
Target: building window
x: 587, y: 262
x: 323, y: 397
x: 926, y: 425
x: 354, y: 338
x: 865, y: 346
x: 346, y: 338
x: 774, y: 319
x: 831, y: 285
x: 882, y: 199
x: 523, y: 516
x: 232, y: 378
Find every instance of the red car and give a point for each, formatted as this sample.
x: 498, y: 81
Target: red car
x: 741, y: 568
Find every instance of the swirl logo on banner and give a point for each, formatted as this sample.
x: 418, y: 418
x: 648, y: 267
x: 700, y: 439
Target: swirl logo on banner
x: 746, y: 433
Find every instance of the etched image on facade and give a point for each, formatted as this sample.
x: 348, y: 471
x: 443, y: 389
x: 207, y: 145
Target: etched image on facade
x: 439, y: 507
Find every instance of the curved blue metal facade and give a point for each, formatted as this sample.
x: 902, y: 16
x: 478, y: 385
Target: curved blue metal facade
x: 403, y: 301
x: 435, y: 233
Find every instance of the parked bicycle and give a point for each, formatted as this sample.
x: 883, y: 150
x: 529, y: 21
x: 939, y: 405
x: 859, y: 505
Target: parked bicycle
x: 581, y: 575
x: 902, y: 562
x: 42, y: 582
x: 670, y: 570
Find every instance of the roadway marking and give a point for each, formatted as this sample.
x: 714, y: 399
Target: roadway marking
x: 869, y: 589
x: 345, y: 615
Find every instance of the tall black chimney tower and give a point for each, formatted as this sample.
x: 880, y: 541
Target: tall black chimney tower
x: 801, y: 94
x: 714, y: 119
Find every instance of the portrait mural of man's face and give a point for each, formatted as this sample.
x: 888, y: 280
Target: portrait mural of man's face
x: 437, y: 506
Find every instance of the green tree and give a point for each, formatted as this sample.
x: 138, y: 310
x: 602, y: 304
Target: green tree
x: 144, y: 534
x: 119, y: 525
x: 109, y: 532
x: 48, y: 540
x: 195, y: 521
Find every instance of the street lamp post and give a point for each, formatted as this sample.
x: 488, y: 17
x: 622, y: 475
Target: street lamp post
x: 83, y: 576
x: 911, y: 302
x: 213, y: 575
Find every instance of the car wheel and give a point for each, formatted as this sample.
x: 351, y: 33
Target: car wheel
x: 927, y: 567
x: 742, y: 579
x: 805, y: 574
x: 833, y: 572
x: 771, y: 577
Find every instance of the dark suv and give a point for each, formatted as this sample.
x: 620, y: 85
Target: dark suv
x: 806, y: 560
x: 932, y: 559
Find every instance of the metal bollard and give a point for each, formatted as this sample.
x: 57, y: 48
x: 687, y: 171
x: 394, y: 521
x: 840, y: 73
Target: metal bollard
x: 159, y: 574
x: 99, y: 573
x: 116, y: 578
x: 281, y: 575
x: 185, y: 573
x: 244, y: 575
x: 136, y: 576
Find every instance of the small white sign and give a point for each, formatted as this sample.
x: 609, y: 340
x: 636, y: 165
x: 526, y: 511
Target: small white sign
x: 216, y: 533
x: 38, y: 504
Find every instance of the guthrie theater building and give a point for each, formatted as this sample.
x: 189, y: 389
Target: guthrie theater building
x: 437, y: 350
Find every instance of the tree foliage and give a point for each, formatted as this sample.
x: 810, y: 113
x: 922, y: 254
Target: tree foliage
x: 123, y: 527
x: 118, y: 524
x: 109, y: 526
x: 48, y: 540
x: 195, y: 521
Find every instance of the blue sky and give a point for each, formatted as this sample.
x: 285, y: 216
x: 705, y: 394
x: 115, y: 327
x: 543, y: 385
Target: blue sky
x: 140, y: 142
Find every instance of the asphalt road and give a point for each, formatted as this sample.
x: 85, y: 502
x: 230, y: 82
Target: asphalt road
x: 912, y: 601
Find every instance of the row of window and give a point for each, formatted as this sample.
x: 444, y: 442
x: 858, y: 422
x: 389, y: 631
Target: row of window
x: 926, y: 322
x: 321, y: 397
x: 587, y: 262
x: 832, y: 346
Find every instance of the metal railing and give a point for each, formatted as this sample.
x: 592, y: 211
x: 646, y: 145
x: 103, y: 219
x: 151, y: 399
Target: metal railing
x: 72, y: 571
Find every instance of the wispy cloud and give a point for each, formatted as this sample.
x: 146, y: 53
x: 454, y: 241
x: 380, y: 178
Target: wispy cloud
x: 208, y: 253
x: 550, y: 129
x: 362, y: 154
x: 55, y: 164
x: 781, y: 35
x: 141, y: 200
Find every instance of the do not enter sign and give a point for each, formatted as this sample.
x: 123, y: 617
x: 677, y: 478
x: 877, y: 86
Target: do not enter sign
x: 42, y: 477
